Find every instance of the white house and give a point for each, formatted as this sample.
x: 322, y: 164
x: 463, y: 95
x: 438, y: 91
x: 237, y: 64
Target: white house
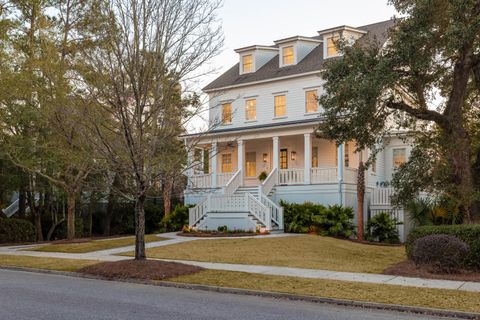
x: 263, y: 114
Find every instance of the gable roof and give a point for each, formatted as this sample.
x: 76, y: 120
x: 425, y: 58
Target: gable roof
x: 311, y: 63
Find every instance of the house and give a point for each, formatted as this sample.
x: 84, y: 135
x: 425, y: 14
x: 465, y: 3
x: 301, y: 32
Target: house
x: 263, y: 114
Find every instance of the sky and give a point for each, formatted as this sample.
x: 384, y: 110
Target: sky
x: 261, y: 22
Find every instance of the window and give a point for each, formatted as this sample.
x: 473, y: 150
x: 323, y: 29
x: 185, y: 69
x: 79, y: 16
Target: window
x: 198, y: 163
x: 280, y: 106
x: 251, y: 163
x: 332, y: 49
x: 288, y: 56
x: 206, y: 161
x: 283, y: 159
x: 399, y: 157
x: 227, y: 113
x: 247, y: 63
x: 311, y: 103
x: 347, y: 156
x: 314, y: 157
x: 251, y: 109
x: 227, y: 163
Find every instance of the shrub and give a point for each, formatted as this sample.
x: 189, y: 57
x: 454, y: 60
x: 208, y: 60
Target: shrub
x: 470, y: 234
x: 177, y: 219
x: 336, y: 221
x: 383, y: 228
x: 222, y: 229
x: 263, y: 175
x: 16, y: 230
x: 61, y: 231
x: 299, y: 218
x: 440, y: 253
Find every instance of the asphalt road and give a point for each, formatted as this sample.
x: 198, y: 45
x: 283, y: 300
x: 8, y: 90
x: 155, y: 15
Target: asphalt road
x: 25, y: 295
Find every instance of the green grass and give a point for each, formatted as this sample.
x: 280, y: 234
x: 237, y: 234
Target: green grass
x: 44, y: 263
x: 379, y: 293
x: 304, y: 251
x: 94, y: 245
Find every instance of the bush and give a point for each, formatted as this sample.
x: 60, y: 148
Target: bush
x: 383, y: 228
x: 307, y: 217
x: 61, y: 231
x: 440, y: 253
x: 177, y: 219
x: 16, y: 230
x: 470, y: 234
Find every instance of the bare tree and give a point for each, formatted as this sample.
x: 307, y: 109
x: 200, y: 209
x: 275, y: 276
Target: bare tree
x: 138, y: 79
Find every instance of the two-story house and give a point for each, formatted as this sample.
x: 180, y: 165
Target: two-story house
x: 262, y: 147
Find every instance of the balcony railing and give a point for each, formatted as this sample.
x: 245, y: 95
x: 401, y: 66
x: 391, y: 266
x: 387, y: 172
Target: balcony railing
x: 291, y: 176
x: 324, y: 175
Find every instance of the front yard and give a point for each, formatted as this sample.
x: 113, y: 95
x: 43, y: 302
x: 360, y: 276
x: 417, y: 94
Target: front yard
x: 302, y: 251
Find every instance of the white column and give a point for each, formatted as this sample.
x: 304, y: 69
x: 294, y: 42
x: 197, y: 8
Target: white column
x: 307, y: 153
x: 341, y: 164
x: 213, y: 156
x: 190, y: 167
x: 240, y: 154
x: 276, y: 153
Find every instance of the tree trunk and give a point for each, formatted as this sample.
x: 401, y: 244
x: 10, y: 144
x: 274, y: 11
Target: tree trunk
x: 167, y: 197
x: 71, y: 215
x: 140, y: 228
x: 360, y: 198
x: 91, y: 205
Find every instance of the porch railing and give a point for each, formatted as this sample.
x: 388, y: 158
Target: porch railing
x: 234, y: 183
x: 224, y: 178
x: 291, y: 176
x: 324, y: 175
x: 381, y: 196
x: 201, y: 181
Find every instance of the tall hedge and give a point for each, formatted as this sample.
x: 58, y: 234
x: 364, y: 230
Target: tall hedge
x: 470, y: 234
x: 16, y: 230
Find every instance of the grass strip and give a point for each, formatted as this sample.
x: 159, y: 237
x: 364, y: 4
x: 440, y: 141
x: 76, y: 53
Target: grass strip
x: 44, y: 263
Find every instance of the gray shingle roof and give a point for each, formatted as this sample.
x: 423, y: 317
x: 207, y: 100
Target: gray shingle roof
x: 312, y: 62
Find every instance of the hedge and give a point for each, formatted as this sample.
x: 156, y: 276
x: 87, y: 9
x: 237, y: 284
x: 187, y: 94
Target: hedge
x: 16, y: 230
x: 470, y: 234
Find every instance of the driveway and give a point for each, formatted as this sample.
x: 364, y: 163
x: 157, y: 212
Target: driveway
x: 42, y: 296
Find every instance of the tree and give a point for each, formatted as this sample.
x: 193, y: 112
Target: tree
x: 426, y: 78
x: 135, y: 76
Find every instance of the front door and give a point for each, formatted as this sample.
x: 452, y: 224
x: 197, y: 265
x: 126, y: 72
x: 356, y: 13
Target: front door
x: 283, y: 158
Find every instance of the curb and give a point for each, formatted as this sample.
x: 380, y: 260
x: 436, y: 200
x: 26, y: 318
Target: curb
x: 275, y: 295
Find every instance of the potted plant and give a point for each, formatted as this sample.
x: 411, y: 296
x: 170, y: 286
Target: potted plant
x: 263, y: 175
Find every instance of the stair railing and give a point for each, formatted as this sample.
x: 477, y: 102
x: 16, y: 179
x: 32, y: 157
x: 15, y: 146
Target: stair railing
x: 196, y: 213
x: 276, y: 212
x: 258, y: 210
x: 269, y: 183
x: 234, y: 183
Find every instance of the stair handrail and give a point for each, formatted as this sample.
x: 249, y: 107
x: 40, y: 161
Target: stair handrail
x: 269, y: 183
x: 276, y: 212
x: 233, y: 184
x: 258, y: 210
x: 196, y: 213
x: 11, y: 209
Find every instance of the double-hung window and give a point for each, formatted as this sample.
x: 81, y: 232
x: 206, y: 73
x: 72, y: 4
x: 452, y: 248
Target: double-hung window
x: 311, y: 102
x: 227, y: 113
x: 332, y: 49
x: 288, y: 56
x: 280, y: 106
x: 251, y: 109
x: 247, y: 63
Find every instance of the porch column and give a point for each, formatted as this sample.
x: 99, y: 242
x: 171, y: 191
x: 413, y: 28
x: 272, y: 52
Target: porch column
x: 214, y: 164
x: 190, y: 167
x: 275, y: 153
x: 307, y: 157
x: 240, y: 154
x: 341, y: 164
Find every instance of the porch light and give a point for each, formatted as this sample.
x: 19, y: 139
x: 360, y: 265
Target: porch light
x: 265, y: 157
x: 294, y: 155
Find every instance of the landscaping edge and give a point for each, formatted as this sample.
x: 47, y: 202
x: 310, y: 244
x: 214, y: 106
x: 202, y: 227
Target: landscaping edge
x: 268, y: 294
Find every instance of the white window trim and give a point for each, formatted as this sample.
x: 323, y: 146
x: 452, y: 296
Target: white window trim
x: 295, y: 55
x: 254, y: 67
x: 325, y: 46
x: 274, y: 106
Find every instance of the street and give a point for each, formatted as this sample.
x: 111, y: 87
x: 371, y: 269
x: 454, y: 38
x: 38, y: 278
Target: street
x: 25, y: 295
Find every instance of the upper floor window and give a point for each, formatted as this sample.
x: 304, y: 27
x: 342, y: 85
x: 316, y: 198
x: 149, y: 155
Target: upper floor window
x: 332, y: 49
x: 287, y: 56
x: 247, y: 63
x: 227, y: 113
x: 311, y: 103
x: 251, y: 109
x: 280, y: 106
x: 399, y: 157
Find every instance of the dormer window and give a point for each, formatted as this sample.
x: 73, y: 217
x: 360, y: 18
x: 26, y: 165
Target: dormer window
x: 288, y: 56
x: 332, y: 49
x: 247, y: 63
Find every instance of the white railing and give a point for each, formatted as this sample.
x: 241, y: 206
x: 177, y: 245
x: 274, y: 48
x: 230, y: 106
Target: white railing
x: 196, y: 213
x: 223, y: 179
x: 324, y: 175
x: 234, y: 183
x: 350, y: 175
x: 11, y: 209
x: 276, y: 212
x: 226, y: 203
x: 291, y: 176
x: 381, y: 196
x: 258, y: 210
x: 201, y: 181
x: 269, y: 183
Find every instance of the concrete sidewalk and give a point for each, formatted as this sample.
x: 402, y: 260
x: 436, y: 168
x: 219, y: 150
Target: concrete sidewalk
x: 112, y: 255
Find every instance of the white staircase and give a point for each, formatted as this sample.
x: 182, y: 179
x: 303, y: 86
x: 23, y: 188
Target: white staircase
x: 243, y: 208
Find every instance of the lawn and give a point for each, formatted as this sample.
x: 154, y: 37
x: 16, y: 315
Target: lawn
x: 379, y: 293
x: 44, y: 263
x: 94, y: 245
x: 304, y: 251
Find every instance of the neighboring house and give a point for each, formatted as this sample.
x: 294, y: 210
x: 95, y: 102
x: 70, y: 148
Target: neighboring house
x: 263, y: 115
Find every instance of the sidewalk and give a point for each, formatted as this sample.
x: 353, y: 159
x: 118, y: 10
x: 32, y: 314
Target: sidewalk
x: 112, y: 255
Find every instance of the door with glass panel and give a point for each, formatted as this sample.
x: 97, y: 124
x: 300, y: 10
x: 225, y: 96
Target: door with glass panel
x: 283, y: 158
x: 251, y: 164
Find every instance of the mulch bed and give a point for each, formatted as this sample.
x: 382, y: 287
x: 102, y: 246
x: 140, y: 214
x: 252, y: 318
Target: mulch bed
x: 220, y: 234
x: 144, y: 270
x: 409, y: 269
